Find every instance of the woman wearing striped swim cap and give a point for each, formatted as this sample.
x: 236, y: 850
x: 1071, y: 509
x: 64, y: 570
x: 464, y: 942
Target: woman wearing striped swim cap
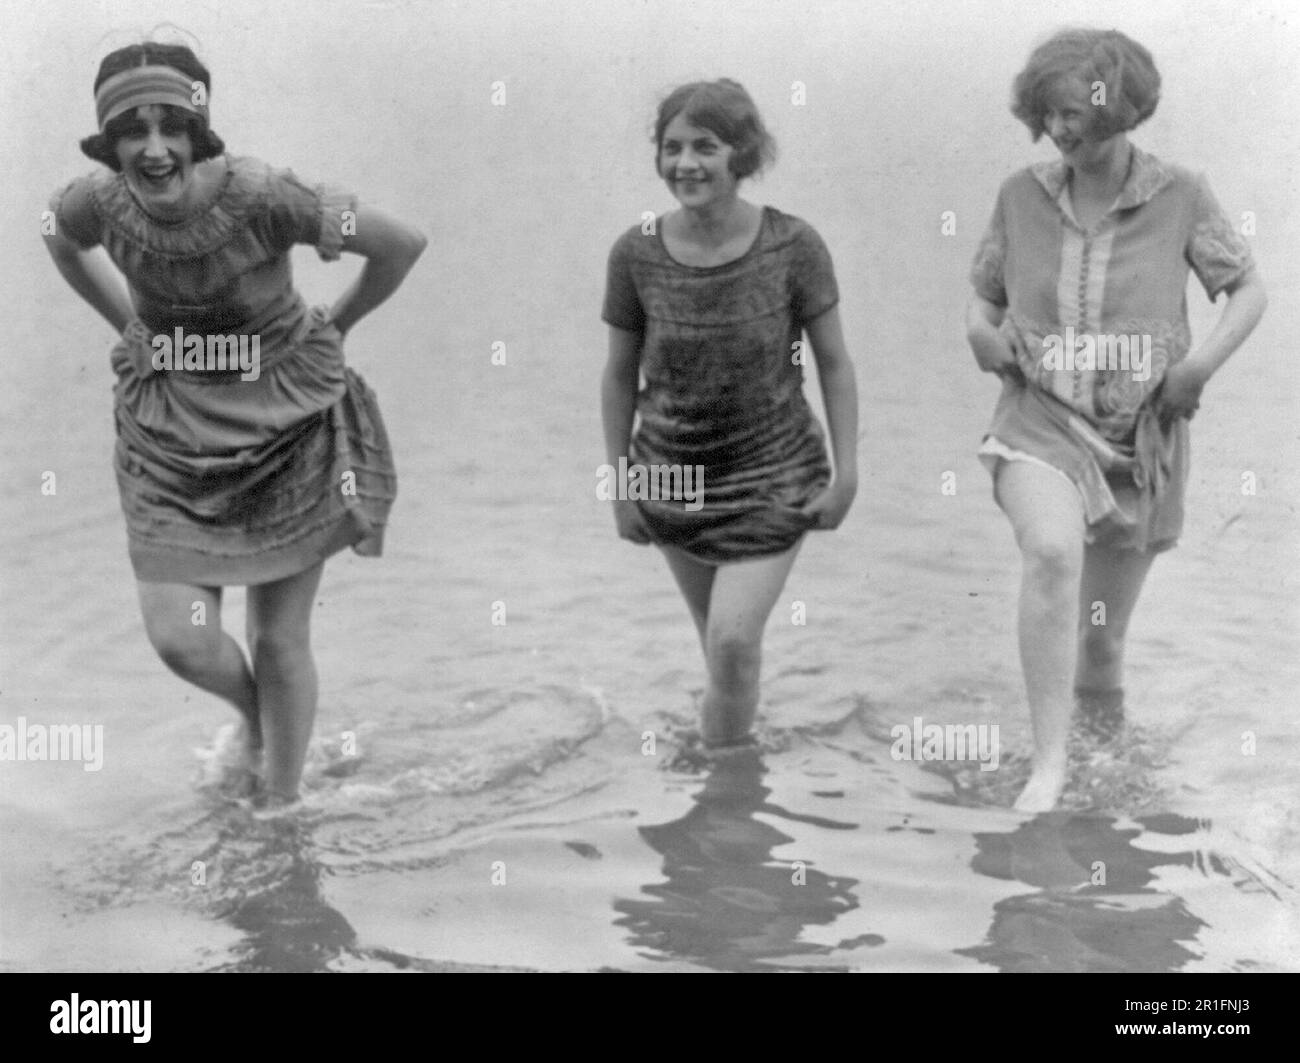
x: 247, y: 470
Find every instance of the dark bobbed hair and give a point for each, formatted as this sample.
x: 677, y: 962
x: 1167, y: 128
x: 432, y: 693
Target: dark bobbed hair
x: 725, y: 109
x: 102, y: 146
x: 1119, y: 62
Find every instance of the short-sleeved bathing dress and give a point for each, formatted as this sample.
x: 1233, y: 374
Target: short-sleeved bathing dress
x: 722, y: 362
x: 1121, y: 288
x: 225, y: 478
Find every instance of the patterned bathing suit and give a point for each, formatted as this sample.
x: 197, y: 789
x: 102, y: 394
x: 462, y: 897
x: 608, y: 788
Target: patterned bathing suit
x: 225, y: 478
x: 721, y: 356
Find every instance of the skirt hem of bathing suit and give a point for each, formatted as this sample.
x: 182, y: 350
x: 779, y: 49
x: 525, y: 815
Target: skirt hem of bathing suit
x: 1103, y: 531
x: 747, y: 507
x: 159, y: 564
x: 715, y: 558
x: 1131, y: 500
x: 323, y: 485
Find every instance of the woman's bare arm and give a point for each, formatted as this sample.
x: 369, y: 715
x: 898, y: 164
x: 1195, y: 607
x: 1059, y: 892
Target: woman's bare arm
x: 840, y: 396
x: 1180, y: 391
x: 1247, y: 301
x: 391, y: 248
x: 839, y: 389
x: 993, y: 351
x: 92, y: 276
x: 618, y: 388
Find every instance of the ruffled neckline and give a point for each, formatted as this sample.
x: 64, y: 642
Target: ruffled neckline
x: 1146, y: 176
x: 242, y: 189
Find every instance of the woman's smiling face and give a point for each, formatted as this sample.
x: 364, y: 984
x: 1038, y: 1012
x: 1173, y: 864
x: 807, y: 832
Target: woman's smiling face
x: 696, y: 164
x: 1071, y: 121
x: 157, y: 159
x: 1068, y: 119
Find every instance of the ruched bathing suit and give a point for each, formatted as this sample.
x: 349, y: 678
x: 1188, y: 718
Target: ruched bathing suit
x: 231, y: 477
x: 722, y: 358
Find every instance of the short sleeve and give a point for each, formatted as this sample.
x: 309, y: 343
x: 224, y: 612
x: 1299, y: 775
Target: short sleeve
x: 814, y: 288
x: 622, y: 307
x: 1216, y: 251
x: 75, y: 215
x: 302, y: 214
x: 987, y: 272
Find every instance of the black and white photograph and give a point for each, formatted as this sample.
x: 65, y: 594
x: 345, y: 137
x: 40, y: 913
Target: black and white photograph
x: 651, y: 486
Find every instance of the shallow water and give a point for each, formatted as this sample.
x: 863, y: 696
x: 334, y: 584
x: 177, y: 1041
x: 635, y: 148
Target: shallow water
x: 485, y: 795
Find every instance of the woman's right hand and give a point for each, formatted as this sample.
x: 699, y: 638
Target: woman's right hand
x: 630, y: 523
x: 136, y: 331
x: 137, y: 343
x: 997, y: 351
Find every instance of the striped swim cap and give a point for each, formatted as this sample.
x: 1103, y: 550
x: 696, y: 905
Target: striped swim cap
x: 142, y: 85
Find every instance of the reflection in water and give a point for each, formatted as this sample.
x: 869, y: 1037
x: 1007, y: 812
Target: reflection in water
x: 273, y: 894
x: 1096, y: 908
x: 727, y: 903
x: 269, y: 887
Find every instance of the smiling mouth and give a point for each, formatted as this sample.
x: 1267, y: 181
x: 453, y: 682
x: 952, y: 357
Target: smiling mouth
x: 158, y: 178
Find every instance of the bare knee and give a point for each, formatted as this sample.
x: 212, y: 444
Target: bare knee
x: 1050, y: 560
x: 1101, y: 646
x: 187, y: 650
x: 734, y: 656
x: 279, y: 646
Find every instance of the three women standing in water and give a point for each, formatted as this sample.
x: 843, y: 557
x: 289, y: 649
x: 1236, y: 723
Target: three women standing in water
x: 226, y: 480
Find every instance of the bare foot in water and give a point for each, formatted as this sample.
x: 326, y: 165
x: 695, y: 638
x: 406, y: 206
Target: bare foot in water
x: 1044, y: 788
x: 236, y: 764
x: 276, y: 806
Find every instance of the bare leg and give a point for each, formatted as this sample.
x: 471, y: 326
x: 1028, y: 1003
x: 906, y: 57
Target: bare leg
x: 200, y: 653
x: 279, y: 627
x: 1047, y: 516
x: 1112, y: 581
x: 730, y: 605
x: 741, y: 599
x: 695, y: 581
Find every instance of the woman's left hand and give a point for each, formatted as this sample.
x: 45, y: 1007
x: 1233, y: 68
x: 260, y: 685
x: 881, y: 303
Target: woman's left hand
x: 1180, y: 392
x: 827, y: 510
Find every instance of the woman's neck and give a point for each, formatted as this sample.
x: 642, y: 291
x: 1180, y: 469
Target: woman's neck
x: 716, y: 223
x: 1103, y: 177
x: 205, y: 183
